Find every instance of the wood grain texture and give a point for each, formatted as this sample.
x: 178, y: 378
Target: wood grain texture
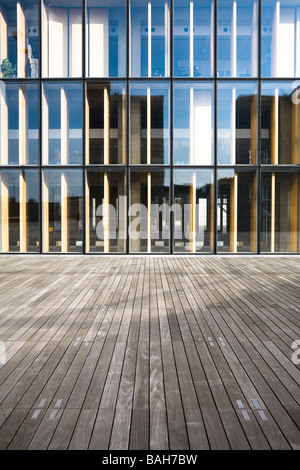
x: 149, y: 353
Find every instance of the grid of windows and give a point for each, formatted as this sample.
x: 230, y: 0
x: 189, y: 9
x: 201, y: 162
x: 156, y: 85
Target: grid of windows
x: 150, y: 126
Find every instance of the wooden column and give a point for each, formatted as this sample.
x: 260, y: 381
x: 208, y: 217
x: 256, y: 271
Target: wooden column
x: 192, y: 214
x: 22, y: 126
x: 3, y: 36
x: 75, y: 43
x: 233, y: 38
x: 167, y: 39
x: 4, y: 207
x: 45, y: 127
x: 192, y: 126
x: 297, y: 45
x: 211, y: 218
x: 3, y: 126
x: 87, y: 131
x: 253, y: 132
x: 191, y: 38
x: 23, y: 213
x: 273, y: 185
x: 294, y: 214
x: 149, y: 212
x: 45, y: 41
x: 295, y: 147
x: 233, y: 212
x: 149, y: 174
x: 274, y: 128
x: 87, y: 214
x: 212, y: 29
x: 149, y: 38
x: 254, y: 40
x: 253, y: 214
x: 233, y: 128
x: 64, y: 122
x: 64, y: 213
x: 21, y: 42
x: 45, y: 224
x: 106, y: 177
x: 98, y: 31
x: 123, y: 127
x: 57, y: 51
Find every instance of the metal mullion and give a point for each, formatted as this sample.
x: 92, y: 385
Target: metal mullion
x: 171, y: 120
x: 258, y: 160
x: 84, y: 94
x: 127, y: 126
x: 215, y: 186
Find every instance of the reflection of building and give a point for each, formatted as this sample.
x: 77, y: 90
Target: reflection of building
x: 114, y: 105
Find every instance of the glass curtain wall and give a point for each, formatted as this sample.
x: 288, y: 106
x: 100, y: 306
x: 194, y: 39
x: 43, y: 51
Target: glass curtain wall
x: 150, y: 126
x: 19, y: 45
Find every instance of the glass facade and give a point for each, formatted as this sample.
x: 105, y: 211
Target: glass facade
x: 150, y: 126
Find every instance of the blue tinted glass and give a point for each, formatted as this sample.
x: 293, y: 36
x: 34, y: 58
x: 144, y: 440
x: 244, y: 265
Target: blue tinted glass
x: 106, y: 38
x: 193, y: 38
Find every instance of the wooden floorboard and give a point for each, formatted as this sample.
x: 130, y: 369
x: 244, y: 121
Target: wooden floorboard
x: 149, y: 353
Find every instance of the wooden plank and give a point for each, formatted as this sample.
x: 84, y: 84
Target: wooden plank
x: 64, y: 430
x: 83, y: 430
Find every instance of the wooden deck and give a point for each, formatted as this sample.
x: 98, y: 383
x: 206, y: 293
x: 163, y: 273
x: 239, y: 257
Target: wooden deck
x: 149, y: 353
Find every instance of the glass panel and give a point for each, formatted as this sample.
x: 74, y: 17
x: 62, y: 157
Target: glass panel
x: 193, y: 211
x: 149, y: 227
x: 62, y: 210
x: 236, y: 211
x: 280, y: 39
x: 106, y: 123
x: 106, y: 208
x: 237, y: 123
x: 193, y: 123
x: 150, y: 38
x: 19, y: 38
x: 62, y: 38
x: 19, y: 123
x: 62, y: 123
x: 237, y: 38
x: 193, y: 38
x: 149, y: 123
x: 280, y: 121
x: 19, y: 210
x: 280, y: 215
x: 106, y: 38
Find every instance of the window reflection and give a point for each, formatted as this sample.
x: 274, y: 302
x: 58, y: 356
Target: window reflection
x: 19, y: 51
x: 237, y: 123
x: 280, y: 45
x: 148, y: 214
x: 149, y: 123
x: 237, y: 38
x: 150, y: 38
x: 280, y: 123
x: 62, y: 38
x: 106, y: 123
x: 193, y: 211
x: 236, y: 211
x: 193, y: 123
x: 106, y: 38
x: 62, y: 123
x: 62, y: 210
x: 280, y: 215
x: 19, y: 124
x: 106, y: 209
x: 19, y: 211
x: 193, y: 38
